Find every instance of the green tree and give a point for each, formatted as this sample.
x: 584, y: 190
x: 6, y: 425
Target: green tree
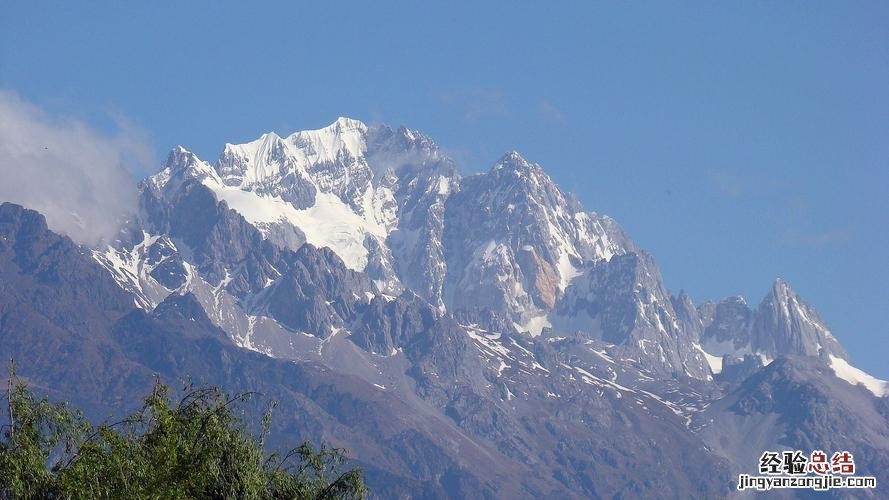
x: 196, y: 447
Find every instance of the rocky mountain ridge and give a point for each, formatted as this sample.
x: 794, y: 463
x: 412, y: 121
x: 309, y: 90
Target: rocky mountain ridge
x: 487, y: 312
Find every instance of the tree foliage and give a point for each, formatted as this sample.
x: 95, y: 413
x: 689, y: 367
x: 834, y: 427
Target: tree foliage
x: 194, y: 446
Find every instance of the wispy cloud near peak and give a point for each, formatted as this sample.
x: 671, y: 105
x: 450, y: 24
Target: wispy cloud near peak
x: 77, y: 176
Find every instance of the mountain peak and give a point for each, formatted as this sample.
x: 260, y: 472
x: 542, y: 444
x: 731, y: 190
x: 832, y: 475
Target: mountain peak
x: 251, y: 151
x: 180, y: 159
x: 179, y: 156
x: 513, y: 168
x: 786, y: 324
x: 346, y: 123
x: 342, y: 126
x: 14, y: 217
x: 411, y: 135
x: 782, y: 294
x: 513, y: 160
x: 180, y: 165
x: 345, y: 135
x: 781, y: 288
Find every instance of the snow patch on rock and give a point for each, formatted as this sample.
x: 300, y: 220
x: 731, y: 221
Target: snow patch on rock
x: 854, y: 376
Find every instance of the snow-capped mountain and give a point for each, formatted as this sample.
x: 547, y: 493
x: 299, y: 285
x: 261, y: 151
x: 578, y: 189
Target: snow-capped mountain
x: 506, y: 246
x: 390, y: 204
x: 479, y: 335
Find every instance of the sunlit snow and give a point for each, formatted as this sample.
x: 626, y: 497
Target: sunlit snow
x: 854, y: 376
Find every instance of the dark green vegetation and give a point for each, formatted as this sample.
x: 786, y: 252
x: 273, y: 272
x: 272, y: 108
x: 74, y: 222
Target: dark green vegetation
x: 191, y: 446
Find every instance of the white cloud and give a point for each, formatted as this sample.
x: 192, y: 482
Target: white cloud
x: 550, y: 112
x: 74, y: 174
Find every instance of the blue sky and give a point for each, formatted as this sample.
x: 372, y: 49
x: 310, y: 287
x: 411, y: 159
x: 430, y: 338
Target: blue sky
x: 735, y: 142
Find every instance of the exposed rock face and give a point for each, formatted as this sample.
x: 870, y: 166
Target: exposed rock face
x: 783, y: 324
x: 623, y: 302
x: 687, y: 314
x: 728, y: 328
x: 736, y: 370
x: 317, y: 294
x: 514, y: 242
x: 387, y: 324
